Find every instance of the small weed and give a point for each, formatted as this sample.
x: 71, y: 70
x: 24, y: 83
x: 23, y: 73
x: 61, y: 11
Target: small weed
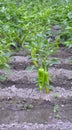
x: 57, y: 116
x: 30, y: 68
x: 2, y: 78
x: 28, y: 106
x: 56, y: 108
x: 56, y: 95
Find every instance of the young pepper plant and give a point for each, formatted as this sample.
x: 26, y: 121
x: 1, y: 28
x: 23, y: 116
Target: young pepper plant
x: 41, y: 50
x: 40, y: 54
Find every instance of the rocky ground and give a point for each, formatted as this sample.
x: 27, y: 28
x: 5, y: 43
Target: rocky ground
x: 23, y: 107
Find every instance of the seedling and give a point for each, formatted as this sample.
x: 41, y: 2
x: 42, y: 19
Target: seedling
x: 56, y: 108
x: 57, y: 116
x: 2, y: 78
x: 56, y: 95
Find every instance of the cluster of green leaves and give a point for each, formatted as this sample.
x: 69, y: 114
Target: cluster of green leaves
x: 63, y: 17
x: 4, y: 56
x: 25, y: 22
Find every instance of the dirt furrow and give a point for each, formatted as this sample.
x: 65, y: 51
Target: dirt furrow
x: 16, y: 76
x: 24, y: 78
x: 57, y: 125
x: 12, y: 91
x: 21, y: 62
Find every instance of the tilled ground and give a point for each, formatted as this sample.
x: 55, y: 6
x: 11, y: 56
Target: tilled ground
x: 23, y: 107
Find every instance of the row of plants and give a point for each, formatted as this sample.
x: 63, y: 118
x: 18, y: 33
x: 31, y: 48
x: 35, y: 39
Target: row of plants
x: 28, y: 24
